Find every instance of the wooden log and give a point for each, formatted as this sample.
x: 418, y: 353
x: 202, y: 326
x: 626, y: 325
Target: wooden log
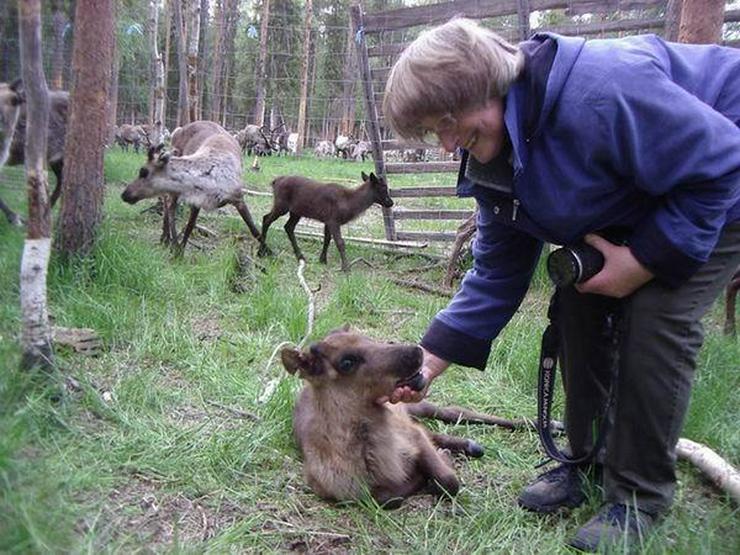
x: 719, y: 471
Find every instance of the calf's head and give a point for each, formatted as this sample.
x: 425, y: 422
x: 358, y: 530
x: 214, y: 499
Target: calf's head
x: 380, y: 189
x: 357, y: 365
x: 153, y: 174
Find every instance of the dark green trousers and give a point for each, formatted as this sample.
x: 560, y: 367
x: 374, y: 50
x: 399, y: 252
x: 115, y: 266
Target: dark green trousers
x: 661, y: 334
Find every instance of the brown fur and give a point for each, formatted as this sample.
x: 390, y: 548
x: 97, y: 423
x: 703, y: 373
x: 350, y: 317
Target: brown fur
x: 12, y: 101
x: 351, y: 444
x: 204, y: 170
x: 329, y: 203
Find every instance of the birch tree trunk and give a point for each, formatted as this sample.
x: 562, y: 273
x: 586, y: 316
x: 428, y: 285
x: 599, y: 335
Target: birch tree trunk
x: 701, y: 21
x: 157, y: 89
x: 261, y: 75
x: 113, y: 93
x: 304, y: 76
x: 349, y: 76
x: 183, y: 104
x: 87, y: 124
x: 36, y: 336
x: 193, y: 34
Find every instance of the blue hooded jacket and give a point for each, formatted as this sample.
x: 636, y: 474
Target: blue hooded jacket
x: 635, y: 133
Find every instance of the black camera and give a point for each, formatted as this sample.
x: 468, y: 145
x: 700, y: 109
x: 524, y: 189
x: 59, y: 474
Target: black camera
x: 574, y: 264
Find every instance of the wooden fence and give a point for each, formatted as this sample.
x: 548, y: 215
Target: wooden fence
x: 380, y: 37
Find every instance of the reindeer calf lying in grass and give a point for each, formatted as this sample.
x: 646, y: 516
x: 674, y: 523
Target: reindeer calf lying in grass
x: 329, y: 203
x: 351, y: 444
x: 204, y: 171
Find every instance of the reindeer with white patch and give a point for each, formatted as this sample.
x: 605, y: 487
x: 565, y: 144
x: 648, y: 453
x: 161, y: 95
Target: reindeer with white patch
x: 204, y: 170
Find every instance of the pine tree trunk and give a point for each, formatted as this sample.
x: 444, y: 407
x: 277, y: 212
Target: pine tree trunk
x: 36, y: 337
x: 83, y: 185
x: 701, y: 21
x: 304, y: 75
x: 261, y: 74
x: 231, y: 22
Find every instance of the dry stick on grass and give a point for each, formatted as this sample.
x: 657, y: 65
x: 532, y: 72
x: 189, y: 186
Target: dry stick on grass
x: 464, y: 233
x: 719, y: 471
x: 446, y: 293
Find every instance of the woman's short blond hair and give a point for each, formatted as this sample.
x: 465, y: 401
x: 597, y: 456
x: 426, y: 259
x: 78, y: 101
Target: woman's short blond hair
x: 456, y: 66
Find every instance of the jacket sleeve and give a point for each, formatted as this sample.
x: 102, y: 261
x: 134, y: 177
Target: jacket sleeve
x: 490, y: 293
x: 678, y: 150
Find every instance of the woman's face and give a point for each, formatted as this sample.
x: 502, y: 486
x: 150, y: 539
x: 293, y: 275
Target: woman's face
x: 480, y: 131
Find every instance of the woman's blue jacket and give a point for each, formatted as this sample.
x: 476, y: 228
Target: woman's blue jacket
x: 635, y: 133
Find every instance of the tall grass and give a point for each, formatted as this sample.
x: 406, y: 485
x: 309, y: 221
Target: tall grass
x: 175, y: 439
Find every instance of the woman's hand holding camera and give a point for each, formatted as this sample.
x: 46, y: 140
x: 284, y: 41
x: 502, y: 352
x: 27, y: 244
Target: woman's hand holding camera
x: 622, y: 273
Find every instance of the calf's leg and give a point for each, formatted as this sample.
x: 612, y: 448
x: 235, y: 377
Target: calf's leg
x: 13, y: 218
x: 267, y: 220
x: 336, y: 233
x: 194, y: 210
x: 325, y: 248
x: 290, y: 230
x: 57, y: 168
x: 241, y: 207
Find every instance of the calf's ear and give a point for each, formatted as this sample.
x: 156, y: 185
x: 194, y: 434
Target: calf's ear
x: 364, y: 176
x: 296, y: 361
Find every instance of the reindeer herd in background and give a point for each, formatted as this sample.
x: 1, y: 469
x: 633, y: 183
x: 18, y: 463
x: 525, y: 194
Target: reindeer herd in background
x: 203, y: 169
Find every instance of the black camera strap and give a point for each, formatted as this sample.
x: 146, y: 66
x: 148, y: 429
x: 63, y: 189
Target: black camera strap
x: 549, y: 353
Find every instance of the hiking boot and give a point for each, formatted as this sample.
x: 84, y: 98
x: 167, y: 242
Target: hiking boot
x: 616, y: 524
x: 561, y: 487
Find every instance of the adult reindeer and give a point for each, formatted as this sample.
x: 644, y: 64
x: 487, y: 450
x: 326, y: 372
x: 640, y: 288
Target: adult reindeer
x: 329, y: 203
x: 204, y: 171
x: 13, y: 135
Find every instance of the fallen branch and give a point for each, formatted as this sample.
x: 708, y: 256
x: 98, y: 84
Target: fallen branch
x: 236, y: 412
x: 446, y: 293
x: 719, y: 471
x: 464, y: 233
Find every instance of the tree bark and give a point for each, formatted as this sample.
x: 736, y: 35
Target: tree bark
x: 203, y: 57
x: 193, y: 34
x: 156, y: 89
x: 36, y: 337
x: 232, y: 20
x: 183, y: 104
x: 701, y: 21
x: 83, y: 186
x: 261, y: 74
x: 304, y: 76
x: 349, y: 76
x: 216, y: 90
x: 59, y: 23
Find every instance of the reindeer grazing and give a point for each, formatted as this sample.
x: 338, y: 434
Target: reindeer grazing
x: 204, y: 171
x: 13, y: 135
x: 329, y: 203
x: 349, y: 442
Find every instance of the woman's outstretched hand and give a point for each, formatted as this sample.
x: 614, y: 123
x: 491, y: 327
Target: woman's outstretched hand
x: 432, y: 367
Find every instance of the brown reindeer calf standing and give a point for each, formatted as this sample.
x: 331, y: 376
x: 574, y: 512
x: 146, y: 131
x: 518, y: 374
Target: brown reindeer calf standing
x: 329, y: 203
x: 351, y: 444
x: 204, y: 171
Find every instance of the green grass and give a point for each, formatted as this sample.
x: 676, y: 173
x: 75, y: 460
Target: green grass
x: 155, y: 450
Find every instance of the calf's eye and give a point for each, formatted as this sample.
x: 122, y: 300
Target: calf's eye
x: 143, y: 173
x: 347, y: 364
